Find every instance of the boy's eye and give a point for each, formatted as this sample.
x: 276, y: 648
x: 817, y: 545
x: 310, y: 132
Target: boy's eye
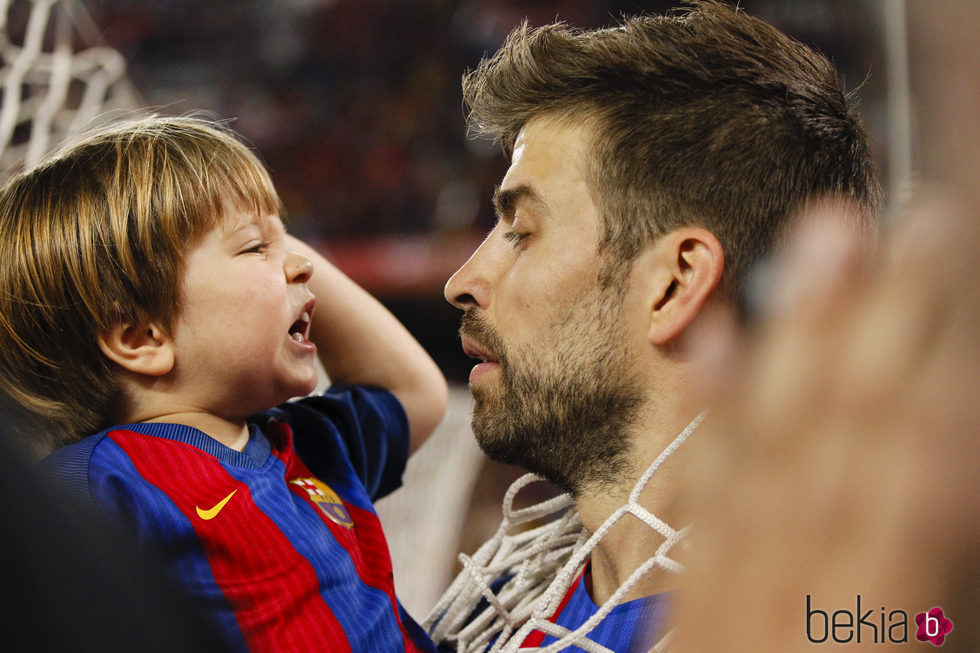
x: 258, y: 248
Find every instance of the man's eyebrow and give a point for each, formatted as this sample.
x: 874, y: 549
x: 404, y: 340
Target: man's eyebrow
x: 505, y: 200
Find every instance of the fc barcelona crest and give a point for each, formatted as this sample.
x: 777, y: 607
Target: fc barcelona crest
x: 326, y: 500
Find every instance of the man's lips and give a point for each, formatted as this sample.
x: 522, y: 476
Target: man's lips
x: 475, y: 350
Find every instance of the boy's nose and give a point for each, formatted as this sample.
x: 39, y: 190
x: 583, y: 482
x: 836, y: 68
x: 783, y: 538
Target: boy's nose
x: 297, y: 267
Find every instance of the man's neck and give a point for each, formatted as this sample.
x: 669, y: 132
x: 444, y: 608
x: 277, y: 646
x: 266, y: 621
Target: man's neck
x: 630, y: 542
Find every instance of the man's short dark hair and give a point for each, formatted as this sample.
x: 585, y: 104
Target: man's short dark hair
x: 704, y: 116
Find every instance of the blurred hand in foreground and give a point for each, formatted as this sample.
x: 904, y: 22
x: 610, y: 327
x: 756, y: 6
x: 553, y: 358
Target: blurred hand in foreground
x: 841, y: 454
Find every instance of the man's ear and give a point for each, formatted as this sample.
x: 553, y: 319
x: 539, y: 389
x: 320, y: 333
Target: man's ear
x: 689, y: 263
x: 140, y: 348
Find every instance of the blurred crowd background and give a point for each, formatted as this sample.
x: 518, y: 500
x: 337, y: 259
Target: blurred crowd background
x: 355, y: 106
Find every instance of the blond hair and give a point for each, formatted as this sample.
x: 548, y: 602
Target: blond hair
x: 94, y: 237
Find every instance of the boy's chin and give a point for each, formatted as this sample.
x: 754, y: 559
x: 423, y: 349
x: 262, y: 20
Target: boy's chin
x: 297, y: 389
x: 308, y: 386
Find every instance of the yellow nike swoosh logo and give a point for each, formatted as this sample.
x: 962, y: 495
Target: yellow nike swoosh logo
x: 213, y: 512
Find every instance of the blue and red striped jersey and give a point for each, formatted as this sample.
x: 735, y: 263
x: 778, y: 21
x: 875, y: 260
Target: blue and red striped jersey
x: 631, y: 627
x: 278, y: 544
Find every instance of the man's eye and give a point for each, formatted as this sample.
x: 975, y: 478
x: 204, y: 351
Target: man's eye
x: 516, y: 237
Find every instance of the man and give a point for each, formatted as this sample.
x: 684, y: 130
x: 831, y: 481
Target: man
x: 653, y: 166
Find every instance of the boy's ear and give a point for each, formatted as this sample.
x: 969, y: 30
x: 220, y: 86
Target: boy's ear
x: 687, y: 267
x: 140, y: 348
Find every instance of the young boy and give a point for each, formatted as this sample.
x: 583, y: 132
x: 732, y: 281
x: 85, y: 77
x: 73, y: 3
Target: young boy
x: 149, y: 292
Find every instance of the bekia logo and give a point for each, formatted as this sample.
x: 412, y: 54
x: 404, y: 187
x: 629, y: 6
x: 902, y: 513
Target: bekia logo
x: 933, y: 626
x: 885, y: 627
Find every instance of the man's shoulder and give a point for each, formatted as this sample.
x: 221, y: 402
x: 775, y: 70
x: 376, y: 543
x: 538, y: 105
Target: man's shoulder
x: 631, y: 626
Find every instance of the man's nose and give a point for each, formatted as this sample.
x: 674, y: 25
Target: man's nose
x: 469, y: 287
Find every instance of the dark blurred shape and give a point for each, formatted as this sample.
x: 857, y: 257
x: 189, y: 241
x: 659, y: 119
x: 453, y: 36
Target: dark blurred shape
x: 72, y: 582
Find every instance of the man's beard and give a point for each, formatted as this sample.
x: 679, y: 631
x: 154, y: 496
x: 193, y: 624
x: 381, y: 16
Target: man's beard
x: 563, y: 416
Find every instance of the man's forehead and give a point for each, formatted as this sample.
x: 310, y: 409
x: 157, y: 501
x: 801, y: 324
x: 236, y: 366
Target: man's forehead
x: 520, y: 145
x: 554, y: 128
x: 548, y: 157
x: 546, y: 145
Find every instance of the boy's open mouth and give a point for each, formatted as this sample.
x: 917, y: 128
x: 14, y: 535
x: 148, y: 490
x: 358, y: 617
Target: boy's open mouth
x: 300, y: 329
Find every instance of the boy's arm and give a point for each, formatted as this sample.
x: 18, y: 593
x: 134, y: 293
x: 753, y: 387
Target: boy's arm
x: 360, y: 342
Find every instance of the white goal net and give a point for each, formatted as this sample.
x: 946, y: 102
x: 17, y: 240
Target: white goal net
x: 537, y: 567
x: 58, y: 78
